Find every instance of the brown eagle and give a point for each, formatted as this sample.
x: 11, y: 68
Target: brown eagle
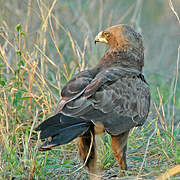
x: 112, y: 97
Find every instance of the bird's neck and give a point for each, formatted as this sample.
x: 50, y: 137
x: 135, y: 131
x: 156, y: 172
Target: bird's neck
x: 130, y: 58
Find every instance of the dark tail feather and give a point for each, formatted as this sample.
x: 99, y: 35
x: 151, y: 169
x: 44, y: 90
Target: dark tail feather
x: 61, y: 129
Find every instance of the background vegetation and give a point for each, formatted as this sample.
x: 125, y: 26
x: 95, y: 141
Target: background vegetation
x: 43, y: 43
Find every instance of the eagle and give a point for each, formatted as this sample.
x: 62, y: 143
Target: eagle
x: 112, y: 97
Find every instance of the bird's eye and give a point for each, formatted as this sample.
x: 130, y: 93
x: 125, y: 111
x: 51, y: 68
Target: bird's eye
x: 107, y: 34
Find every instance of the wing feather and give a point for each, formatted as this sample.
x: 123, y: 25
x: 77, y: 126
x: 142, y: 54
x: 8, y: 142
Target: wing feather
x: 116, y: 97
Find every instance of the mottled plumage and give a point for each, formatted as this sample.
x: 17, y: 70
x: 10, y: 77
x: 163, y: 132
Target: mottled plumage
x: 112, y: 97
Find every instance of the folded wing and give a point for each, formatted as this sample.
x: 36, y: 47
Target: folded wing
x: 117, y: 98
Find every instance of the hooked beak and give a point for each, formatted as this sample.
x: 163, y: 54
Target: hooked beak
x: 100, y: 38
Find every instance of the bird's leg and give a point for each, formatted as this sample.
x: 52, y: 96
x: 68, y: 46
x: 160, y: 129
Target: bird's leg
x: 119, y: 147
x: 87, y: 151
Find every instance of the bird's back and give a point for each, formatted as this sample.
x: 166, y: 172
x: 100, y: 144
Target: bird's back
x: 118, y: 98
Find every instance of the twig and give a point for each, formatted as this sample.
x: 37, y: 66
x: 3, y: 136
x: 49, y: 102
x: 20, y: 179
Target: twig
x: 52, y: 34
x: 33, y: 164
x: 174, y: 92
x: 176, y: 73
x: 171, y: 172
x: 173, y: 10
x: 36, y: 46
x: 145, y: 154
x: 49, y: 13
x: 32, y: 127
x: 92, y: 139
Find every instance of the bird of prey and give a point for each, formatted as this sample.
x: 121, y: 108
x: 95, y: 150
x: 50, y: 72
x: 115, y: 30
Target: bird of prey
x: 112, y: 97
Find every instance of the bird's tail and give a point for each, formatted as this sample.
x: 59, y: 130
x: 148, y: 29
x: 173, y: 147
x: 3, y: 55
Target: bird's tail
x: 61, y: 129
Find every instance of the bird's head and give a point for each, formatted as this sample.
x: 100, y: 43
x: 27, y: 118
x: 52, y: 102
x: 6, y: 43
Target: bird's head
x: 121, y: 37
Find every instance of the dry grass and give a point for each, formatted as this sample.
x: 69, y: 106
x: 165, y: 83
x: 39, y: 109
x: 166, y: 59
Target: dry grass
x: 43, y: 43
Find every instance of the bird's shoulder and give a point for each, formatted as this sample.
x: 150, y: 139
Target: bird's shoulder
x: 77, y: 83
x: 76, y: 86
